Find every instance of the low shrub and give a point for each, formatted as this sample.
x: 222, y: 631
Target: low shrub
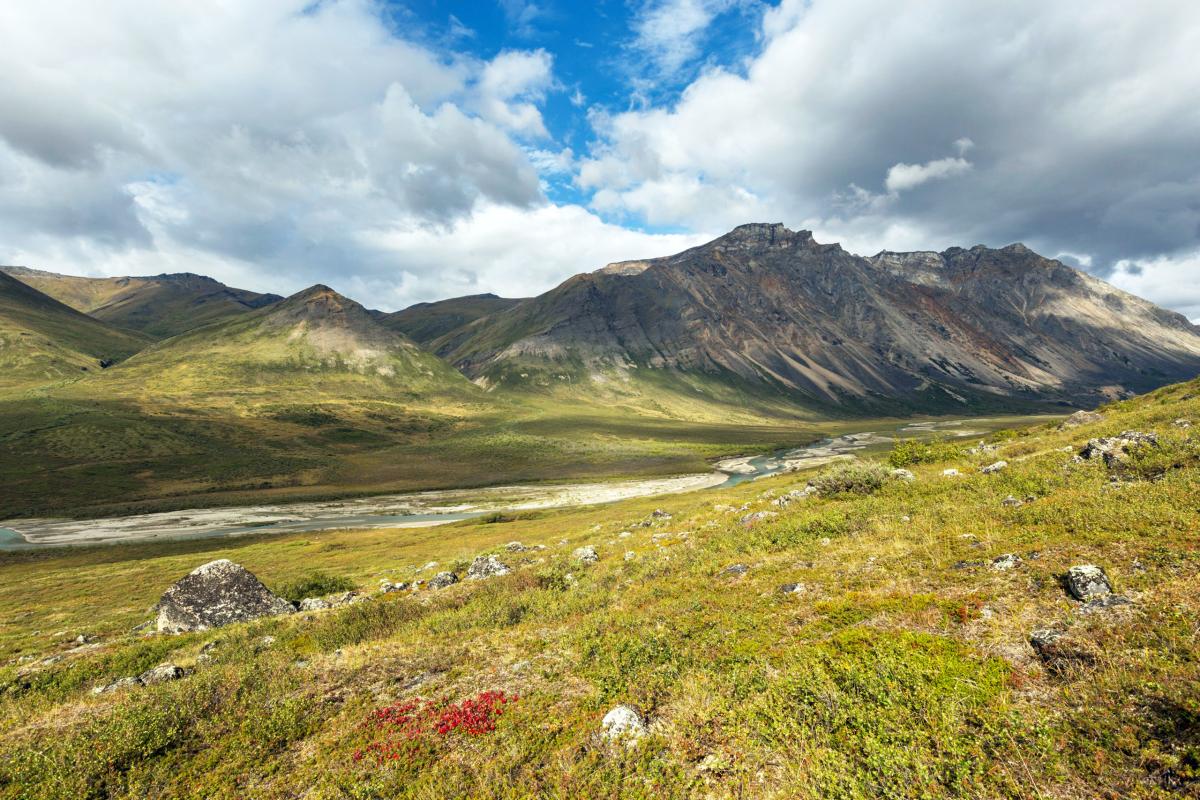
x: 315, y: 584
x: 906, y: 452
x: 855, y: 477
x: 413, y: 728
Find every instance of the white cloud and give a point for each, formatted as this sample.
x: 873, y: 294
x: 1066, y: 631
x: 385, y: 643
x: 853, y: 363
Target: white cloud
x: 1168, y: 281
x: 1082, y: 138
x: 511, y: 85
x: 667, y: 31
x: 902, y: 177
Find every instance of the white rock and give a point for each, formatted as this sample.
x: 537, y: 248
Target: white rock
x: 623, y: 723
x: 997, y: 467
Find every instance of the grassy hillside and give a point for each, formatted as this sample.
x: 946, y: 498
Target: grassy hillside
x: 903, y: 668
x: 425, y: 322
x: 157, y: 305
x: 43, y: 341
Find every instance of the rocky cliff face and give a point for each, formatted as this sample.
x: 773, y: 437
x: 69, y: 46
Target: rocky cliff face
x: 771, y: 307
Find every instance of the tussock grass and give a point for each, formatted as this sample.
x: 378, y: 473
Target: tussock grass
x: 902, y: 670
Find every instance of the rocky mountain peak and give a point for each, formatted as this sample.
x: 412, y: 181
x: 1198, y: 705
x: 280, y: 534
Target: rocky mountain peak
x: 764, y: 234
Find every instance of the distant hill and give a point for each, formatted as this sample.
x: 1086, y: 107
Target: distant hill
x: 775, y: 313
x: 425, y: 322
x: 158, y: 305
x: 44, y: 341
x: 316, y: 342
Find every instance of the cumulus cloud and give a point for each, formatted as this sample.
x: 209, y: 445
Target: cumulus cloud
x: 1171, y: 281
x: 1081, y: 138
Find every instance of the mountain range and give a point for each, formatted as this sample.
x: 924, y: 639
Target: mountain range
x: 763, y: 312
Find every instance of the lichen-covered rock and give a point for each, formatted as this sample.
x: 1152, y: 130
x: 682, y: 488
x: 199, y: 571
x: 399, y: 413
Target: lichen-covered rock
x: 793, y: 588
x: 993, y: 468
x: 161, y: 674
x: 215, y: 594
x: 1011, y: 502
x: 387, y: 587
x: 314, y: 604
x: 623, y: 723
x: 442, y: 580
x: 735, y: 571
x: 1113, y: 449
x: 901, y: 474
x: 586, y: 555
x: 486, y: 567
x: 1081, y: 418
x: 1006, y: 562
x: 750, y: 520
x: 1086, y: 581
x: 1108, y: 602
x: 951, y: 473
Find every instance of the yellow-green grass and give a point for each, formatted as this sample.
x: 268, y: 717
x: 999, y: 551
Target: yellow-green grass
x: 895, y: 674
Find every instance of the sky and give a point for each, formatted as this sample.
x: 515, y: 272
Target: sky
x: 411, y: 151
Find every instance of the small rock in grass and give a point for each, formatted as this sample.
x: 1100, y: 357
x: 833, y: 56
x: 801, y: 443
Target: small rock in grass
x: 993, y: 468
x: 515, y: 547
x: 658, y: 513
x: 966, y: 564
x: 387, y: 587
x: 950, y: 473
x: 750, y: 520
x: 630, y: 555
x: 586, y: 555
x: 1182, y: 423
x: 161, y: 674
x: 1011, y: 502
x: 735, y: 570
x: 1087, y: 581
x: 119, y: 683
x: 825, y: 541
x: 624, y: 535
x: 623, y: 723
x: 314, y: 604
x: 486, y: 567
x: 1060, y: 651
x: 1081, y: 418
x: 793, y: 588
x: 442, y: 580
x: 1006, y: 562
x: 901, y: 474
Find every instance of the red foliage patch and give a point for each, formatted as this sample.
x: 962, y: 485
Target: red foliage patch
x: 414, y: 727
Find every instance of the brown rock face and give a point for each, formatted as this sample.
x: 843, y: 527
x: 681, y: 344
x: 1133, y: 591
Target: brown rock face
x: 769, y: 307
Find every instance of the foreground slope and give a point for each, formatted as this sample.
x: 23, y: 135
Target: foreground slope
x: 158, y: 305
x: 771, y: 308
x: 44, y: 341
x: 898, y: 664
x: 425, y: 322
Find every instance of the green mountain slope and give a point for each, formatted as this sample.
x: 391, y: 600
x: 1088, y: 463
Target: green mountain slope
x: 425, y: 322
x: 44, y: 341
x: 158, y: 305
x: 873, y: 640
x: 315, y: 342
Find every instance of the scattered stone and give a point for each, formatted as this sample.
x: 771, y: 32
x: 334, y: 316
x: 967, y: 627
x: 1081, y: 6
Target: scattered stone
x: 266, y: 641
x: 429, y: 566
x: 623, y: 723
x: 161, y: 674
x: 1011, y: 502
x: 1060, y: 651
x: 119, y: 683
x: 658, y: 513
x: 1114, y: 449
x: 992, y: 468
x: 983, y: 447
x: 793, y: 588
x: 630, y: 555
x: 442, y: 580
x: 1109, y: 602
x: 1087, y: 581
x: 735, y: 571
x: 387, y: 587
x: 1081, y: 418
x: 1006, y: 562
x: 950, y: 473
x: 586, y: 555
x: 901, y: 474
x: 515, y: 547
x: 750, y: 520
x: 825, y: 541
x: 486, y: 567
x: 314, y: 604
x: 905, y: 518
x: 966, y: 564
x: 1182, y: 423
x: 215, y: 594
x: 624, y: 535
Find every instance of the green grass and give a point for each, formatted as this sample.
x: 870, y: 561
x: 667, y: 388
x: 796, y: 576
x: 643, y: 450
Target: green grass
x: 896, y: 674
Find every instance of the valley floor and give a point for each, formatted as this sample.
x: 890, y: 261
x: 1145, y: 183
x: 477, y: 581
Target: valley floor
x: 900, y: 668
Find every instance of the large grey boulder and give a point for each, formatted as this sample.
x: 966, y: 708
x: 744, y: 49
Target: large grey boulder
x: 623, y: 723
x: 442, y: 580
x: 1081, y: 418
x: 1087, y: 581
x: 486, y: 567
x: 215, y: 594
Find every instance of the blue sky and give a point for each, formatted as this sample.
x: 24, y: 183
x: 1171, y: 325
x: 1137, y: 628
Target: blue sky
x: 411, y: 150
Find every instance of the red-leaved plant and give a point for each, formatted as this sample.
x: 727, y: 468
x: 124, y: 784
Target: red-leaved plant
x: 413, y: 726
